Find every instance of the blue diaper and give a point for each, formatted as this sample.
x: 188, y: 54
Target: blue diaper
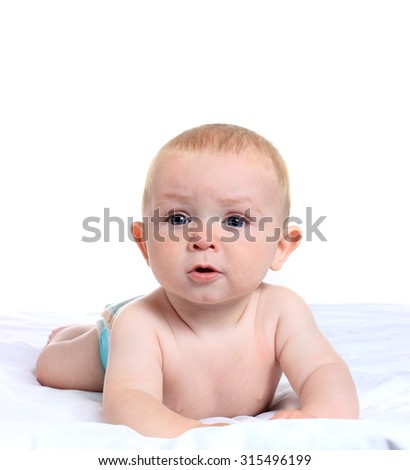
x: 104, y: 327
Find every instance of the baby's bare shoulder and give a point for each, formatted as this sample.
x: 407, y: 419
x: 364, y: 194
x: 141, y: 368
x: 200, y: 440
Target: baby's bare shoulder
x: 279, y: 295
x: 144, y: 311
x: 282, y: 301
x: 292, y: 314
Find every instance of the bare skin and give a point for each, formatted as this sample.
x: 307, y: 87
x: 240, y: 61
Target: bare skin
x: 71, y: 359
x: 213, y: 340
x: 184, y: 373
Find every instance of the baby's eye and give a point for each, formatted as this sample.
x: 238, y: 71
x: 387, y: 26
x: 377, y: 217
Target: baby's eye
x: 235, y: 221
x: 178, y: 219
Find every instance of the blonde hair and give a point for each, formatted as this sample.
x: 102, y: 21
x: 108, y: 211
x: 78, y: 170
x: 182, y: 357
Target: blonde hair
x: 225, y: 138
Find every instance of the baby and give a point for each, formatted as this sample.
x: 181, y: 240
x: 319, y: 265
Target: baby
x: 213, y: 339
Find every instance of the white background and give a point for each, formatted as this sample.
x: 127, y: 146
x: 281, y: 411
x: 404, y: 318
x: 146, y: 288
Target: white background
x: 89, y: 91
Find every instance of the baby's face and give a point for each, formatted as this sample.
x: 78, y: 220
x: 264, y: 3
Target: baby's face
x: 209, y: 220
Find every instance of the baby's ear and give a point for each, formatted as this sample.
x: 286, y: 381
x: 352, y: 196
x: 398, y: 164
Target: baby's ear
x: 287, y: 243
x: 139, y: 236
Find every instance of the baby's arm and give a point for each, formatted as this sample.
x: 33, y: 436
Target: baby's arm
x: 133, y: 382
x: 316, y: 372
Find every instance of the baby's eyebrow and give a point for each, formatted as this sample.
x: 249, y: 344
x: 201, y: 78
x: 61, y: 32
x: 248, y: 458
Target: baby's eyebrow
x: 225, y: 201
x: 242, y: 203
x: 173, y: 196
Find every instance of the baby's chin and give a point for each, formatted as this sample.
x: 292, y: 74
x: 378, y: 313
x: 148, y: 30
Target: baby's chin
x: 210, y: 298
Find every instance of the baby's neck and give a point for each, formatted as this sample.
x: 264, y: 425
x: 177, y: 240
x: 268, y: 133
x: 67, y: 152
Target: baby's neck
x: 202, y: 318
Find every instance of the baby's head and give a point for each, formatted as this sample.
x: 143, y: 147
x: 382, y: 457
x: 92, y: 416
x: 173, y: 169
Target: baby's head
x: 225, y: 140
x: 214, y: 199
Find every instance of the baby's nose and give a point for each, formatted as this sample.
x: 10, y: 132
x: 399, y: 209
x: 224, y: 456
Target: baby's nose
x: 204, y: 238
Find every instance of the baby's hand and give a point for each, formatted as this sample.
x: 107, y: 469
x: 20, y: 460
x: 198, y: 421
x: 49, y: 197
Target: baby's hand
x: 292, y: 414
x: 213, y: 425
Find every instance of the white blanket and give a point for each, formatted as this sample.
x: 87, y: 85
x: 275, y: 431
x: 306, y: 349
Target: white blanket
x: 373, y: 339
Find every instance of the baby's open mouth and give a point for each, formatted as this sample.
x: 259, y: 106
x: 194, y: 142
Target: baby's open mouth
x: 204, y: 273
x: 204, y: 270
